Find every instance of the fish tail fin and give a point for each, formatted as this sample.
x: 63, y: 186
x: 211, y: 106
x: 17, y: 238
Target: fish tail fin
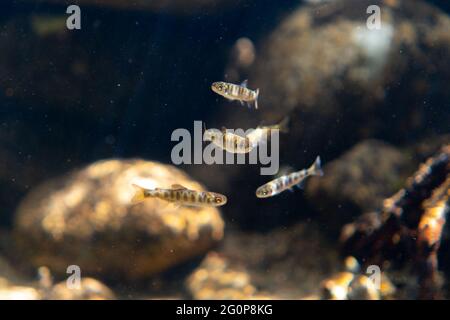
x: 139, y: 195
x: 316, y: 167
x: 283, y: 126
x: 256, y: 98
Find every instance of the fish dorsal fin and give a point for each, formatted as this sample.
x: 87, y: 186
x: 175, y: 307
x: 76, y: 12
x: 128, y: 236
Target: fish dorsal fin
x: 178, y: 187
x: 285, y: 170
x: 224, y: 130
x: 244, y: 83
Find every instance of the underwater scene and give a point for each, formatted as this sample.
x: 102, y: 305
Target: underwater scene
x: 224, y: 149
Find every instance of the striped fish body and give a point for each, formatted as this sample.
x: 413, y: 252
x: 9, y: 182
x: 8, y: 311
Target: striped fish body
x: 287, y: 182
x: 234, y: 143
x: 229, y: 142
x: 181, y: 196
x: 281, y: 184
x: 236, y: 92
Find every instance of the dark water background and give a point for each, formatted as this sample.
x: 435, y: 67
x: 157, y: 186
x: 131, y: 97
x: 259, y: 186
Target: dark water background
x: 174, y: 60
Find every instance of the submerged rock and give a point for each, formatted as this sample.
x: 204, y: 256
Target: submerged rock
x: 341, y: 82
x: 215, y: 279
x: 406, y: 234
x: 86, y: 219
x: 7, y: 271
x: 13, y: 287
x: 358, y: 181
x: 10, y: 291
x: 350, y: 286
x: 88, y: 289
x: 288, y: 263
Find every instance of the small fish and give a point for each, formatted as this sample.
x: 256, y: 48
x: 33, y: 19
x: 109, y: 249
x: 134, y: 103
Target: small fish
x: 261, y: 132
x: 286, y: 182
x: 237, y: 92
x: 228, y: 141
x: 180, y: 195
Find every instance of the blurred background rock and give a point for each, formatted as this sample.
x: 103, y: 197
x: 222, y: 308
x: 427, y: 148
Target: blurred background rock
x: 86, y: 219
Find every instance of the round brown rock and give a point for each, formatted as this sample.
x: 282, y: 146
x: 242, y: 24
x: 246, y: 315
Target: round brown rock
x: 86, y: 219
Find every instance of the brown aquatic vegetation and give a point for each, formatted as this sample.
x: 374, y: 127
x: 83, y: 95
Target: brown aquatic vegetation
x: 409, y: 226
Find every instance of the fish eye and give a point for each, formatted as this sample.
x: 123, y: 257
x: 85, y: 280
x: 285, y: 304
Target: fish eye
x: 218, y: 200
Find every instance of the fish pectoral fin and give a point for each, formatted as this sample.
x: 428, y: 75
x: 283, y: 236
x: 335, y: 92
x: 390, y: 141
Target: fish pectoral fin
x: 284, y: 170
x: 170, y: 206
x: 175, y: 206
x: 241, y: 102
x: 178, y: 187
x: 257, y: 142
x: 300, y: 184
x: 256, y: 98
x: 244, y: 83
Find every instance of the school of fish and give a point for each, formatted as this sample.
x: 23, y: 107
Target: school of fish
x: 233, y: 143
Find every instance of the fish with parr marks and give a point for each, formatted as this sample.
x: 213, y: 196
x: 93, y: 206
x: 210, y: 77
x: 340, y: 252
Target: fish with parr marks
x: 237, y: 92
x: 180, y: 195
x: 287, y: 182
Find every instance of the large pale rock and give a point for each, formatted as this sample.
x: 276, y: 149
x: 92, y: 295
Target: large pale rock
x: 85, y: 218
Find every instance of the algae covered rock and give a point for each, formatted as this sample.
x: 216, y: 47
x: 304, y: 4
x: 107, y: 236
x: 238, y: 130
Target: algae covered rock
x: 86, y: 219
